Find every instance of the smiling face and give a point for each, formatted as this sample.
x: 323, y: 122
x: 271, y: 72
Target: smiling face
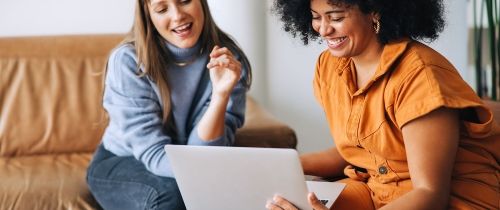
x: 180, y: 22
x: 347, y: 31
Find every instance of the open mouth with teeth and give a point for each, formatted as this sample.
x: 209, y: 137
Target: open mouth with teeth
x: 336, y: 42
x: 183, y: 30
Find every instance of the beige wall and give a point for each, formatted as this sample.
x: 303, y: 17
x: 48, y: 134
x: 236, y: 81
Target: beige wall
x: 283, y: 68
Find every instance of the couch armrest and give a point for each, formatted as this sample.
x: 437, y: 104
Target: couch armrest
x: 261, y: 129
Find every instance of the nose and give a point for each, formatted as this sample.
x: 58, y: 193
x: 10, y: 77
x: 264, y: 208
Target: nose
x: 177, y: 14
x: 325, y: 28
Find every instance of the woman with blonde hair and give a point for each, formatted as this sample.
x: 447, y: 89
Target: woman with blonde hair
x: 176, y: 79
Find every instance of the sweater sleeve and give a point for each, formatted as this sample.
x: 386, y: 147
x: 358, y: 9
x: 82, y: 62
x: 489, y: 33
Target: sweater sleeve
x: 135, y: 114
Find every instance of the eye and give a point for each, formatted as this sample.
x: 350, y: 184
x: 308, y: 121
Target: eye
x: 185, y: 1
x: 316, y: 17
x: 160, y: 10
x: 336, y: 19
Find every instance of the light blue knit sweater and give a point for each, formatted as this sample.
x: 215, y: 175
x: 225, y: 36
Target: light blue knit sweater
x: 135, y: 109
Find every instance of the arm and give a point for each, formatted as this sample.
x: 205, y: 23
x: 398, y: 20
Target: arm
x: 431, y: 144
x: 135, y: 115
x: 327, y: 163
x: 224, y: 113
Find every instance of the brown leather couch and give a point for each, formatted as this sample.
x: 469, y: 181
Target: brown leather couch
x: 51, y: 119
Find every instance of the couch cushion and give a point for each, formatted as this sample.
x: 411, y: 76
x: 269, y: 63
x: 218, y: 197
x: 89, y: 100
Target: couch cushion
x: 51, y: 93
x: 45, y: 182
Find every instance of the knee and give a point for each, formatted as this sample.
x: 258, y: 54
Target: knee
x: 120, y: 195
x: 131, y: 195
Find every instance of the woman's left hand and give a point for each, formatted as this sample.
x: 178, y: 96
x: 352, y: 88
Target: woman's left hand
x: 225, y: 70
x: 279, y: 203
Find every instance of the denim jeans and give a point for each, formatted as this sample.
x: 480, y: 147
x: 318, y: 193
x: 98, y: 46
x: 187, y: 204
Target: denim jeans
x: 125, y: 183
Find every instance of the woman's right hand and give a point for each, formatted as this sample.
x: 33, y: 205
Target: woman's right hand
x: 280, y: 203
x: 225, y: 70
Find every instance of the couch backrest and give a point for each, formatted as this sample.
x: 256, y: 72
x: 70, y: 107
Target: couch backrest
x: 51, y: 93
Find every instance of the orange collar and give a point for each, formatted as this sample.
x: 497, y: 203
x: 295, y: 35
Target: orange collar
x: 392, y: 51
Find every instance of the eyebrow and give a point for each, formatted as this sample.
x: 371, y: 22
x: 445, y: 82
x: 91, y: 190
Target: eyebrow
x: 330, y: 11
x: 156, y: 3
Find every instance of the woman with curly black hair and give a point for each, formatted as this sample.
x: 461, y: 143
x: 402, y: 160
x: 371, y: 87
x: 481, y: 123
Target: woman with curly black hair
x: 409, y: 132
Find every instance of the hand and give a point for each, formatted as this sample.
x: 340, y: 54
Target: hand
x: 280, y: 203
x: 314, y: 202
x: 224, y: 69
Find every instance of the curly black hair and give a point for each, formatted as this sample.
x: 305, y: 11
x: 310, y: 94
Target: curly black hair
x: 415, y: 19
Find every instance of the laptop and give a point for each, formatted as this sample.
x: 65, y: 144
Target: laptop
x: 213, y: 177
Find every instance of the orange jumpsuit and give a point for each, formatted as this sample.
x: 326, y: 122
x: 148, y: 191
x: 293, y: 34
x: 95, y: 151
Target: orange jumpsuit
x: 411, y: 81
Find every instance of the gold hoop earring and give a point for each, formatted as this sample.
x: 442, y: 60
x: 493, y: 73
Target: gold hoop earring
x: 376, y: 26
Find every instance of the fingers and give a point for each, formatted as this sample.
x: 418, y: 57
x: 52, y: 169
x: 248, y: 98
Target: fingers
x: 224, y: 61
x: 272, y: 206
x: 283, y: 203
x: 218, y: 51
x: 280, y: 203
x: 221, y: 57
x: 221, y: 62
x: 315, y: 203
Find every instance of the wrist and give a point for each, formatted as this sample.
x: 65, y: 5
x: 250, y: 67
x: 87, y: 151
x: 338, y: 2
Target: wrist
x: 220, y: 96
x: 219, y: 100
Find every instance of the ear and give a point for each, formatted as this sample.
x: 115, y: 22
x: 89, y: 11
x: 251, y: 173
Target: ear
x: 375, y: 16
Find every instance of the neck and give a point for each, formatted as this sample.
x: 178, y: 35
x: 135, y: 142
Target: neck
x: 184, y: 54
x: 368, y: 61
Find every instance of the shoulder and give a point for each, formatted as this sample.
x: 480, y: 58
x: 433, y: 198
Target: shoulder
x: 419, y: 56
x: 123, y: 59
x: 123, y: 54
x: 424, y: 80
x: 124, y: 49
x: 122, y: 68
x: 421, y: 61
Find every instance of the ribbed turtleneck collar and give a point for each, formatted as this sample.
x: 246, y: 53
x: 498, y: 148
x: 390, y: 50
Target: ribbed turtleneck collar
x: 183, y: 54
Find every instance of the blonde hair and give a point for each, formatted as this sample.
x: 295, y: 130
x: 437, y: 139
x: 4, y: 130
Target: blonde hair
x: 153, y: 57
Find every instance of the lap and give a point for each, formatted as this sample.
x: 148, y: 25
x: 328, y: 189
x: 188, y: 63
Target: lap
x: 125, y: 183
x: 356, y: 195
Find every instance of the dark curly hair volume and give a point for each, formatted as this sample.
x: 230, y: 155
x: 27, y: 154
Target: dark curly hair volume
x: 415, y: 19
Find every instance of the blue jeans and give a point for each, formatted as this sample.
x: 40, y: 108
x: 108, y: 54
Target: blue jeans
x: 125, y: 183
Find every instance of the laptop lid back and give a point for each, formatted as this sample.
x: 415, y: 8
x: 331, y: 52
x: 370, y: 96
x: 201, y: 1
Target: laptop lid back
x: 211, y: 177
